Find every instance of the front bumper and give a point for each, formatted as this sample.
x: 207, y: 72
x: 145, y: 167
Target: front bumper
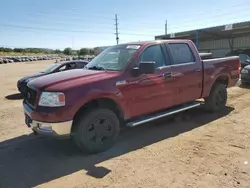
x: 55, y: 129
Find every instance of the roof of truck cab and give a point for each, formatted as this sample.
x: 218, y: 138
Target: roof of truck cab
x: 154, y: 42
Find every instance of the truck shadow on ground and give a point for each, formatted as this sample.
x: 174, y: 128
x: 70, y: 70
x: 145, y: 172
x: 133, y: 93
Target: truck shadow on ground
x: 16, y: 96
x: 29, y: 161
x: 245, y: 86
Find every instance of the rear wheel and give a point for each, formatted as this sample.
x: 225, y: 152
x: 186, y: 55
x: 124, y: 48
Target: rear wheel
x: 96, y: 130
x: 217, y: 99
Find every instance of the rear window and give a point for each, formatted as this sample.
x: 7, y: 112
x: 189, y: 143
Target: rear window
x: 181, y: 53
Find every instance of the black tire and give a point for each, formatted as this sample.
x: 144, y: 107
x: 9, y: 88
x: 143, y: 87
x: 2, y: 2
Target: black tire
x: 217, y: 99
x: 96, y: 130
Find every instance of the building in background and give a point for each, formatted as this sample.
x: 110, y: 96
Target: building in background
x: 219, y: 40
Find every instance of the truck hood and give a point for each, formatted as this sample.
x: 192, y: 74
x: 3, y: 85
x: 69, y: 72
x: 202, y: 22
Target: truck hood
x: 71, y: 78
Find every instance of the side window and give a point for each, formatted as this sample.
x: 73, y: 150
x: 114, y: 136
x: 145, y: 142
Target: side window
x: 153, y: 53
x: 81, y: 65
x: 70, y: 66
x: 181, y: 53
x: 63, y: 68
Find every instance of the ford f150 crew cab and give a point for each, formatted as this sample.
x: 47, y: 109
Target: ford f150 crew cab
x: 127, y: 85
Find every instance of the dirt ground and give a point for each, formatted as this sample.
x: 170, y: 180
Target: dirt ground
x: 202, y: 150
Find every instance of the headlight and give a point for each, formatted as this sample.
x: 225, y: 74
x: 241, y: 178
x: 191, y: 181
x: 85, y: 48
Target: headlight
x: 244, y: 71
x: 52, y: 99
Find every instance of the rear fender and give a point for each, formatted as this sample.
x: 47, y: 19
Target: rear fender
x: 223, y: 78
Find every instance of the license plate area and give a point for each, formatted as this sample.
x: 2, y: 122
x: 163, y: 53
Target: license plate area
x: 28, y: 120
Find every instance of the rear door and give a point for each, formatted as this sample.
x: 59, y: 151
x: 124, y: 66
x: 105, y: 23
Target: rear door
x: 187, y: 73
x: 151, y: 92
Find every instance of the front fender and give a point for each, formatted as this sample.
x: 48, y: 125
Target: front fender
x: 93, y: 94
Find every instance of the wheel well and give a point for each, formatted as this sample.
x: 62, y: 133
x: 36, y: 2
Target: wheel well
x: 101, y: 102
x: 223, y: 80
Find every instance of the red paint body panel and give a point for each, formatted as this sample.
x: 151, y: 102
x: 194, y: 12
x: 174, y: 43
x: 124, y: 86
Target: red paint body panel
x: 140, y: 95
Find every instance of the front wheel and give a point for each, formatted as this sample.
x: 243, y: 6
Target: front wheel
x: 96, y: 130
x: 217, y: 99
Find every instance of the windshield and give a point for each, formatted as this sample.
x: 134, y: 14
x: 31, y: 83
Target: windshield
x: 51, y: 68
x: 113, y: 58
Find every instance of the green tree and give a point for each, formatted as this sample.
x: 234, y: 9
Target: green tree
x: 2, y: 49
x: 57, y: 51
x: 84, y: 51
x: 67, y: 51
x: 91, y: 51
x: 18, y: 50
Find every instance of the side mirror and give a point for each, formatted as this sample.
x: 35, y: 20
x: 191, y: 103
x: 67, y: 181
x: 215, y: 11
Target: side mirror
x: 145, y: 67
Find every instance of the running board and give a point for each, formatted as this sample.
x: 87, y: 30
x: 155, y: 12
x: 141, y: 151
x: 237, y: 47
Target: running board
x: 163, y: 114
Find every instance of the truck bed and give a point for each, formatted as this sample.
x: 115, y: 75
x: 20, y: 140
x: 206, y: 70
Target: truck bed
x: 227, y: 67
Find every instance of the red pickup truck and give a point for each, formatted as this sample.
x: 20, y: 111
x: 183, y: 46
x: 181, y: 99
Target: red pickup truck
x: 127, y: 85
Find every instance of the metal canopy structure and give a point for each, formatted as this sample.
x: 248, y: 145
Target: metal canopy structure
x: 229, y: 31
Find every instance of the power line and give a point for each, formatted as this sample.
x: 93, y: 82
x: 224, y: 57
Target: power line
x: 215, y: 16
x: 67, y: 12
x: 67, y: 16
x: 101, y: 17
x: 100, y: 32
x: 53, y: 29
x: 138, y: 24
x: 137, y: 34
x: 65, y: 24
x: 64, y: 30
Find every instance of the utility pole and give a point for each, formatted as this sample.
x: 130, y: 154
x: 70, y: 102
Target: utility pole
x: 166, y: 27
x: 116, y: 29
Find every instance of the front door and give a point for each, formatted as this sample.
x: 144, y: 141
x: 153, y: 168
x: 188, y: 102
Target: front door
x: 150, y: 93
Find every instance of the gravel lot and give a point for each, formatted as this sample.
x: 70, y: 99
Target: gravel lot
x: 196, y: 149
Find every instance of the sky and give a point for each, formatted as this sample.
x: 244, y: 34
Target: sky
x: 58, y: 24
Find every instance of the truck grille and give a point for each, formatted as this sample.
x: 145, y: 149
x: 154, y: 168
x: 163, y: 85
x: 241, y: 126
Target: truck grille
x: 30, y: 96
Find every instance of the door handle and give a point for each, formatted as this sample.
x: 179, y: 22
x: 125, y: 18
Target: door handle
x: 198, y: 70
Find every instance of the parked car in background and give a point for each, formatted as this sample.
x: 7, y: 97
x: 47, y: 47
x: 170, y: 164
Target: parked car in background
x: 244, y: 60
x: 11, y: 60
x: 6, y: 60
x: 239, y: 51
x: 245, y: 75
x: 244, y: 55
x: 127, y: 84
x: 54, y: 68
x: 15, y: 59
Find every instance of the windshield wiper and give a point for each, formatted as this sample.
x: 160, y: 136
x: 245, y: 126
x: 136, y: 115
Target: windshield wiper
x: 96, y: 68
